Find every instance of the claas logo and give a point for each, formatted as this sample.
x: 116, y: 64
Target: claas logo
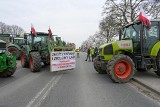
x: 125, y: 44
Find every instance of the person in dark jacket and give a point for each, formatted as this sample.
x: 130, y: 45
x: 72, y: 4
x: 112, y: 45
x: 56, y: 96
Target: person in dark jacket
x: 88, y: 54
x: 95, y: 51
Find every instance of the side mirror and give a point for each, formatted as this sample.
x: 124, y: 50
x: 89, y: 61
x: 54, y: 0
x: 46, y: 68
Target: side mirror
x: 25, y: 36
x: 120, y: 34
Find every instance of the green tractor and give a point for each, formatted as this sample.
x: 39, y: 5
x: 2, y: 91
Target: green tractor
x: 14, y: 43
x: 38, y: 50
x: 138, y: 48
x: 7, y: 61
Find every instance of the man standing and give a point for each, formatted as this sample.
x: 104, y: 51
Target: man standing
x: 95, y: 51
x: 92, y: 53
x: 77, y: 51
x: 88, y: 55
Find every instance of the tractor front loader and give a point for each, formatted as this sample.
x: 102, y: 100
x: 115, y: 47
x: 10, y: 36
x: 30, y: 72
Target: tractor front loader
x: 138, y: 48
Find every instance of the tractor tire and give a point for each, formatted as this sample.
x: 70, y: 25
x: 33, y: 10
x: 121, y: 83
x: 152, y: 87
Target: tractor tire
x: 12, y: 49
x: 121, y: 68
x: 8, y: 72
x: 24, y: 60
x: 35, y: 61
x: 98, y: 69
x: 158, y: 64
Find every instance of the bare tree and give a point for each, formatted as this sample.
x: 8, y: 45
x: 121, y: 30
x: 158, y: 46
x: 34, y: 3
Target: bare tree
x: 109, y: 28
x: 118, y: 13
x: 13, y: 29
x: 2, y: 27
x: 16, y: 29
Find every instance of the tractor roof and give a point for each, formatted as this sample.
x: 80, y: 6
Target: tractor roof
x: 4, y: 35
x: 135, y: 22
x: 1, y: 41
x: 153, y: 20
x: 21, y: 38
x: 42, y: 33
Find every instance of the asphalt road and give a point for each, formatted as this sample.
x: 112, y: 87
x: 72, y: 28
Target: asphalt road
x: 80, y: 87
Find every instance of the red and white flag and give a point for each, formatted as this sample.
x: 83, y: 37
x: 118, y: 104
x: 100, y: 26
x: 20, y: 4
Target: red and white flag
x: 143, y: 18
x: 33, y: 30
x: 49, y: 31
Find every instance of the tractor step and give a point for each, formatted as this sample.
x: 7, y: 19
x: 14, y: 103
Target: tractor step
x: 146, y: 61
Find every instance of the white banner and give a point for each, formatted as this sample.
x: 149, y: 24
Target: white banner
x: 62, y: 60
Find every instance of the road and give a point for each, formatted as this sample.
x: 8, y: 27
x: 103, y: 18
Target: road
x: 80, y: 87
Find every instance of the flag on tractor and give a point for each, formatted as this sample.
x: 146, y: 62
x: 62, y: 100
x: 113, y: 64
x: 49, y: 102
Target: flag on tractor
x: 143, y: 18
x: 49, y: 31
x: 50, y: 34
x: 33, y: 30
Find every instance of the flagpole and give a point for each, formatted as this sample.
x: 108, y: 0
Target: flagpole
x: 32, y: 35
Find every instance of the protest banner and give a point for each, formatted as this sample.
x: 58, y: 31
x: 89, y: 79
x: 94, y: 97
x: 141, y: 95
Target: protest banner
x: 62, y: 60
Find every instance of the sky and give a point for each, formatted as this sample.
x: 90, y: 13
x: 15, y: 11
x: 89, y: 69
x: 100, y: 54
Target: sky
x: 73, y: 20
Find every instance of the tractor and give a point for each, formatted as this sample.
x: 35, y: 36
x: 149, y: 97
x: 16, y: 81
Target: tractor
x: 7, y: 61
x: 138, y: 49
x: 14, y: 43
x: 38, y: 49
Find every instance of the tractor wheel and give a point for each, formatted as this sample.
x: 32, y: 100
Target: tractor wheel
x: 158, y: 64
x: 14, y: 49
x: 24, y: 60
x: 121, y: 68
x: 35, y: 61
x: 98, y: 69
x: 8, y: 72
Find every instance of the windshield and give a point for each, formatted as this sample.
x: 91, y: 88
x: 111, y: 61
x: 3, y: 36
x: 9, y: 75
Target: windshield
x: 40, y: 38
x: 19, y: 41
x: 132, y: 32
x: 2, y: 48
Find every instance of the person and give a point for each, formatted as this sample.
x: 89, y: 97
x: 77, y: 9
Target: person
x: 95, y: 51
x: 77, y: 51
x: 88, y: 54
x: 92, y: 53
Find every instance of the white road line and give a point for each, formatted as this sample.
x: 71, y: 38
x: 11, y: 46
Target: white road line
x: 41, y: 95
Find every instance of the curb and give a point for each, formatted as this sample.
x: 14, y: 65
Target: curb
x: 146, y: 86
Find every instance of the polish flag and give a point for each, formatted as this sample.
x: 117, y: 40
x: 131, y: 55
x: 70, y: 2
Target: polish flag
x: 143, y: 18
x: 49, y: 31
x: 33, y: 30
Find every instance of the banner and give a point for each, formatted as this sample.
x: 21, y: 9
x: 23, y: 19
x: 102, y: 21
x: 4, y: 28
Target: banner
x: 62, y: 60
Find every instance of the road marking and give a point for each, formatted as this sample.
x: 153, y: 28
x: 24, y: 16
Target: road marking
x: 41, y: 95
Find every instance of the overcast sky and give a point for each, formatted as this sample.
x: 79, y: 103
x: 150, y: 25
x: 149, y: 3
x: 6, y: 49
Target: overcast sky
x: 73, y: 20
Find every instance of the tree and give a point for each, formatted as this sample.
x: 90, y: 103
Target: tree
x: 109, y: 28
x: 119, y: 13
x: 2, y: 27
x: 13, y: 29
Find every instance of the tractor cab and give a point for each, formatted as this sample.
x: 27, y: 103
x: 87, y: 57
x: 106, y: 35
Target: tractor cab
x: 40, y: 39
x: 143, y: 38
x: 18, y: 41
